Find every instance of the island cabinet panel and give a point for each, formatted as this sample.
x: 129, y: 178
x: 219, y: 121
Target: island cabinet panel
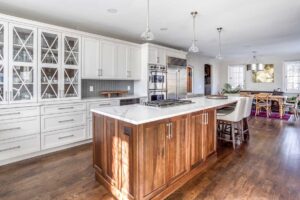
x: 153, y: 159
x: 197, y: 130
x: 98, y: 144
x: 210, y: 133
x: 177, y: 148
x: 111, y: 143
x: 128, y: 161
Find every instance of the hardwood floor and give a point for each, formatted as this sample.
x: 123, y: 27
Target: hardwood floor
x: 268, y: 167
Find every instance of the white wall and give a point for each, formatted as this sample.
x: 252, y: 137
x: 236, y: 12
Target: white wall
x: 250, y: 85
x: 197, y: 62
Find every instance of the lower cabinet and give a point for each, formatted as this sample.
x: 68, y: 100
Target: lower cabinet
x: 210, y: 139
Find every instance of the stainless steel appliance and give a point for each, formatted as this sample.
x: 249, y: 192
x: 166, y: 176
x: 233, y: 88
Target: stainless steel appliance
x: 130, y: 101
x: 157, y: 83
x: 168, y: 103
x: 176, y: 78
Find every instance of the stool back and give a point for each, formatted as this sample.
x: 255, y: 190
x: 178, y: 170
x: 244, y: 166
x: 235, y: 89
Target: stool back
x: 237, y: 114
x: 248, y: 106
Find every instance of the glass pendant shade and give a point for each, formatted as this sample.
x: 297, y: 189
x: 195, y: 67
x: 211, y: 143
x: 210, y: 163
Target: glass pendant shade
x: 147, y: 35
x: 193, y: 48
x: 219, y: 57
x: 255, y: 65
x: 260, y: 67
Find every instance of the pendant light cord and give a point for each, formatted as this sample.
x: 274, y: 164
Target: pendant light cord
x: 148, y: 11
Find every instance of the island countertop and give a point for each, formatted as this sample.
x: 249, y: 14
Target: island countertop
x: 139, y: 114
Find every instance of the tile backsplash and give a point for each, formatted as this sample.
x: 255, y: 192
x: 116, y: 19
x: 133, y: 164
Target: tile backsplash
x: 101, y: 85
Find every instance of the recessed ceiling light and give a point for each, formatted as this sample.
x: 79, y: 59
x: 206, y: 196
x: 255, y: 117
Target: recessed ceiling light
x: 164, y: 29
x: 112, y: 10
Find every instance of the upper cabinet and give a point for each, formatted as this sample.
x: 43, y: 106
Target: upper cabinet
x: 22, y: 64
x: 110, y: 60
x: 157, y: 56
x: 71, y: 66
x: 90, y: 58
x: 3, y: 63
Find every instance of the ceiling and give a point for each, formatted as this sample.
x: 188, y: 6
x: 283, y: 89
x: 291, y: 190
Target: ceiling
x: 270, y: 27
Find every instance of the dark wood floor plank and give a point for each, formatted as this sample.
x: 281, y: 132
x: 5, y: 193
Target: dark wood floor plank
x: 267, y: 167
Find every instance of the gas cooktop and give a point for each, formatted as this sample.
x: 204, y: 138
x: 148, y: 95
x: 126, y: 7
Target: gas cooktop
x: 168, y: 103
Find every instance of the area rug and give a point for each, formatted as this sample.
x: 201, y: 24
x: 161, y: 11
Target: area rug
x: 273, y: 115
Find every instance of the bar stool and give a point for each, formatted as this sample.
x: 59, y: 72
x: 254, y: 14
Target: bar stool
x: 247, y: 113
x: 233, y: 119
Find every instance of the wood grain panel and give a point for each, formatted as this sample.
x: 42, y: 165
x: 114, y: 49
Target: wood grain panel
x: 98, y: 145
x: 210, y: 134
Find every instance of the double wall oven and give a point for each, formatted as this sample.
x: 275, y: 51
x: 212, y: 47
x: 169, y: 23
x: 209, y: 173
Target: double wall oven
x: 157, y: 82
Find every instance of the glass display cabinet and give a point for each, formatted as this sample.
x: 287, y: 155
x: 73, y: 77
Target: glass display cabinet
x: 71, y: 67
x: 3, y: 64
x: 22, y: 64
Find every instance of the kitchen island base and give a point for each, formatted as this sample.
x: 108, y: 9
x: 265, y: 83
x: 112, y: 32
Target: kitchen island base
x: 152, y: 160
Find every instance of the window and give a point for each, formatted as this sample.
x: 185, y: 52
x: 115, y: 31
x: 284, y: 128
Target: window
x: 292, y: 76
x: 236, y: 75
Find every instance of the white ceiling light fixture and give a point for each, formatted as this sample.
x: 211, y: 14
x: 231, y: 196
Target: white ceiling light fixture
x: 147, y: 35
x: 194, y: 48
x: 254, y: 65
x: 219, y: 56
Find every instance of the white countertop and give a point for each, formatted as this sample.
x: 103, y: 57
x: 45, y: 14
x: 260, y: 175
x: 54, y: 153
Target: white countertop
x: 140, y: 114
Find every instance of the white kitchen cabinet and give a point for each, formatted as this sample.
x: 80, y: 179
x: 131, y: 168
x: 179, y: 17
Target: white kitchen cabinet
x: 107, y: 59
x: 71, y: 67
x: 133, y: 63
x: 90, y: 58
x: 157, y: 56
x: 3, y: 63
x: 22, y: 64
x: 121, y: 61
x: 50, y: 83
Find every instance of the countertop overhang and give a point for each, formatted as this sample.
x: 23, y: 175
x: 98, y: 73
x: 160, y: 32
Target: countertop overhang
x: 140, y: 114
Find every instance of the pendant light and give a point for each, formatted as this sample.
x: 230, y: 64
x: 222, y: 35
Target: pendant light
x: 147, y: 35
x: 194, y: 48
x: 254, y: 65
x: 219, y: 56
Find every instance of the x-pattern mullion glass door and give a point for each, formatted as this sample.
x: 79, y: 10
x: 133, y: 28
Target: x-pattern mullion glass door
x: 49, y: 65
x: 71, y: 66
x: 3, y: 63
x: 22, y: 70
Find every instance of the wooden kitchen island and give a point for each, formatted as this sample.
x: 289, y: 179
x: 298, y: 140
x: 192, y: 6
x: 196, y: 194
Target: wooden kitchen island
x: 143, y: 152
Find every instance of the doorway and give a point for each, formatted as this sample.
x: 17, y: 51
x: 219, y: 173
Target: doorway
x: 189, y: 79
x: 207, y: 79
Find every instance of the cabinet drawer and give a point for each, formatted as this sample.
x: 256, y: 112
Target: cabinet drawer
x: 19, y: 127
x: 63, y: 108
x: 12, y: 113
x: 20, y: 146
x: 61, y: 121
x: 100, y: 104
x: 63, y: 137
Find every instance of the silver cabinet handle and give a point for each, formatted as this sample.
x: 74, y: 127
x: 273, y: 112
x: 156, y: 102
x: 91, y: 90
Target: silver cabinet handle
x: 106, y: 104
x: 4, y: 114
x: 11, y: 95
x: 67, y: 136
x: 64, y: 121
x: 128, y: 73
x: 100, y: 72
x: 206, y: 114
x: 169, y: 130
x: 10, y: 129
x: 66, y: 108
x: 10, y: 148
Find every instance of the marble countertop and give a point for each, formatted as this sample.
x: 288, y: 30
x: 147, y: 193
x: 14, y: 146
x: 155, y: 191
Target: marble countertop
x: 140, y: 114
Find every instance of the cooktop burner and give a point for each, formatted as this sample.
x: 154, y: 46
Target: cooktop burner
x: 168, y: 103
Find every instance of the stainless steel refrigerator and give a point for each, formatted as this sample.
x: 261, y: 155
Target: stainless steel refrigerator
x: 176, y: 78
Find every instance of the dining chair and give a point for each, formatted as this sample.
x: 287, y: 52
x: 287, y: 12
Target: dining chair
x: 293, y: 106
x: 262, y: 101
x: 247, y: 113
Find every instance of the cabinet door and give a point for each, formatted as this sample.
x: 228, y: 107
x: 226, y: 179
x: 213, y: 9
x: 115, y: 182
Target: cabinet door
x: 161, y: 57
x: 153, y: 159
x: 3, y: 63
x: 111, y: 141
x: 134, y: 63
x: 71, y: 67
x: 107, y: 59
x: 90, y: 58
x: 153, y: 55
x: 176, y: 148
x: 49, y: 65
x: 128, y: 166
x: 23, y: 64
x: 197, y: 138
x: 98, y: 138
x: 121, y: 61
x: 210, y: 133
